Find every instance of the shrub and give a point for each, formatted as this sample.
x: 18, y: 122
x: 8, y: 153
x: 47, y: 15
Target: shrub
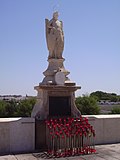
x: 14, y: 108
x: 115, y: 110
x: 87, y: 105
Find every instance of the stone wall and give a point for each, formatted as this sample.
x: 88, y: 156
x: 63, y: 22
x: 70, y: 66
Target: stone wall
x: 18, y: 134
x: 107, y: 128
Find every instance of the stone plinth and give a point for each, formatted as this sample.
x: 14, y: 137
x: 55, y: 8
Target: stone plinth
x: 55, y: 65
x: 54, y: 100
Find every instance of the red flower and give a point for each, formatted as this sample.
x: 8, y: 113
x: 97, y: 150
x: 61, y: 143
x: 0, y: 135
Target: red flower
x: 51, y: 120
x: 63, y: 137
x: 61, y: 132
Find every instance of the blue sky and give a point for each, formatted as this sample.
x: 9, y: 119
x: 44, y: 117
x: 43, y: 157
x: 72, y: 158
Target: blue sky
x: 92, y: 44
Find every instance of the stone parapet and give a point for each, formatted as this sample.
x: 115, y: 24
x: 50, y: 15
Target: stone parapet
x: 107, y: 128
x: 17, y: 135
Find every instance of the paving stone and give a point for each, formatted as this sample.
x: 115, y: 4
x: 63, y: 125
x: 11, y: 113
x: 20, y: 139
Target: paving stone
x: 8, y: 157
x: 61, y: 158
x: 104, y: 152
x: 107, y: 157
x: 75, y: 158
x: 109, y: 154
x: 92, y: 157
x: 42, y: 156
x: 25, y: 157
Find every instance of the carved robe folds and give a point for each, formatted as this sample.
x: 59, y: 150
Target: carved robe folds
x: 55, y: 38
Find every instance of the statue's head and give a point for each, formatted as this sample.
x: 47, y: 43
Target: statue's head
x: 55, y: 15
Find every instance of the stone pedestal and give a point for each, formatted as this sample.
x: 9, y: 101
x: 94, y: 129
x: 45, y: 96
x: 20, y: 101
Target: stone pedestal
x: 54, y: 66
x: 55, y: 101
x: 56, y: 93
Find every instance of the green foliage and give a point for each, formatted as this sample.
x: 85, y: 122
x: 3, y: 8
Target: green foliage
x: 25, y: 107
x: 105, y: 96
x: 115, y: 110
x: 118, y: 98
x: 14, y: 108
x: 10, y: 108
x: 2, y: 108
x: 87, y: 105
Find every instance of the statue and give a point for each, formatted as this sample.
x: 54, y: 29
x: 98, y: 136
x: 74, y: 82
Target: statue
x: 54, y: 37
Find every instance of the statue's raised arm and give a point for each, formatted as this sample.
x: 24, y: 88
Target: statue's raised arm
x: 54, y: 37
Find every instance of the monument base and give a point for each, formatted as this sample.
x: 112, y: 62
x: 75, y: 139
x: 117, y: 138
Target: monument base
x: 55, y: 101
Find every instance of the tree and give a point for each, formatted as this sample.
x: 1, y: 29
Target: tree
x: 12, y: 108
x: 87, y: 105
x: 113, y: 97
x: 25, y: 107
x: 2, y: 108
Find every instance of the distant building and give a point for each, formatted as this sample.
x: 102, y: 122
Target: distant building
x: 107, y: 102
x: 13, y: 97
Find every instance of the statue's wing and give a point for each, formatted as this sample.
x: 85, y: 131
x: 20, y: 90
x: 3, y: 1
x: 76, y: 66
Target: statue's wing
x: 62, y: 44
x: 46, y: 26
x: 61, y: 25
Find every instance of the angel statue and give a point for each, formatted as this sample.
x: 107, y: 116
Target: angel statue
x: 54, y: 37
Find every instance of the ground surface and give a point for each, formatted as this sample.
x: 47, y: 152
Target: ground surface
x: 104, y: 152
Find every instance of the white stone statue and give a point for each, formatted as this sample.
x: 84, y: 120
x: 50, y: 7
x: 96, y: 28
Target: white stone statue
x: 54, y: 37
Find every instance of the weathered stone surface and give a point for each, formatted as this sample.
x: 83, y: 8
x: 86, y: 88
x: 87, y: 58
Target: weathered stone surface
x: 17, y: 135
x: 107, y: 128
x: 104, y: 152
x: 25, y: 157
x: 8, y: 157
x: 4, y: 137
x: 41, y: 108
x: 54, y: 66
x: 56, y: 76
x: 54, y: 37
